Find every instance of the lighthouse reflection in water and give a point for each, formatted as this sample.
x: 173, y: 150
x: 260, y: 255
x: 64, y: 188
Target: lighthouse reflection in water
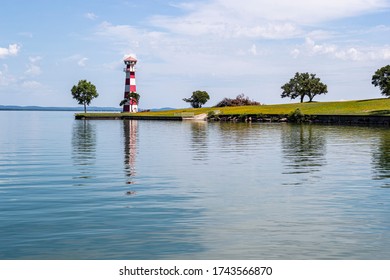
x: 130, y: 149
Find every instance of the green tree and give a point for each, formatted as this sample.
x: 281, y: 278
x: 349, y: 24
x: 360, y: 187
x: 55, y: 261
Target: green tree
x: 198, y: 99
x: 132, y: 94
x: 381, y: 78
x: 84, y: 92
x: 303, y: 84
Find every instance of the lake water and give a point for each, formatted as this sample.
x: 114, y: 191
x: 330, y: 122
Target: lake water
x: 73, y: 189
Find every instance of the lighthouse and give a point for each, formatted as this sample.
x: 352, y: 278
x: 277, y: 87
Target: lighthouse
x: 131, y: 105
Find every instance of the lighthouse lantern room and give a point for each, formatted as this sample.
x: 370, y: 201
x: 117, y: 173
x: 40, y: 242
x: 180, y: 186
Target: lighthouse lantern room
x: 131, y: 105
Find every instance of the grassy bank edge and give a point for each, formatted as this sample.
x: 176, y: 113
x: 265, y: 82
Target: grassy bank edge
x: 373, y: 107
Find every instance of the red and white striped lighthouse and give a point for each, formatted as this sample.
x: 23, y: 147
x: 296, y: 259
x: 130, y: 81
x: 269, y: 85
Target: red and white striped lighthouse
x: 132, y: 104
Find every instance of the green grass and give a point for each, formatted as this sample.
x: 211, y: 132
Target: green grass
x: 380, y: 107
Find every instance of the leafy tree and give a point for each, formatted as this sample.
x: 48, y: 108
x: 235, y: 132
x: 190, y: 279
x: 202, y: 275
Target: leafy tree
x: 303, y: 84
x: 84, y: 92
x: 198, y: 99
x: 381, y: 78
x: 132, y: 94
x: 240, y: 100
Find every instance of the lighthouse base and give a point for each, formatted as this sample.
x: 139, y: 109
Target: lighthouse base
x: 130, y: 108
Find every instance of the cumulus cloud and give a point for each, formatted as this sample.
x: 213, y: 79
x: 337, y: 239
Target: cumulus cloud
x: 218, y: 24
x: 352, y: 53
x: 130, y: 39
x: 12, y: 50
x: 277, y: 19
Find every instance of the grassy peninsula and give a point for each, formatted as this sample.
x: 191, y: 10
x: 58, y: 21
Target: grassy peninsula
x: 377, y: 107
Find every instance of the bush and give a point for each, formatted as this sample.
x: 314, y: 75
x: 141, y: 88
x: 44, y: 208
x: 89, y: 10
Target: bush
x: 240, y: 100
x: 297, y: 116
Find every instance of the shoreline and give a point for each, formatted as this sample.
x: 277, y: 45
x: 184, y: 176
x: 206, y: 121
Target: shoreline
x: 369, y: 111
x: 269, y: 118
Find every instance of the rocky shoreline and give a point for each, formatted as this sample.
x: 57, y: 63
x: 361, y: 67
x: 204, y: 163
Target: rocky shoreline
x: 320, y: 119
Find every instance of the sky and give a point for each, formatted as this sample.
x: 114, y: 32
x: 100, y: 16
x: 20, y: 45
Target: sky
x: 225, y: 47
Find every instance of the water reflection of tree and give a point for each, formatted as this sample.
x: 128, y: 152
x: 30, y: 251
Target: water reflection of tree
x: 303, y: 148
x: 199, y: 133
x: 84, y: 148
x: 237, y: 132
x: 130, y: 148
x: 381, y: 158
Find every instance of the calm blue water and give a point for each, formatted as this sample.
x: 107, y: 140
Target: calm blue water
x: 191, y: 190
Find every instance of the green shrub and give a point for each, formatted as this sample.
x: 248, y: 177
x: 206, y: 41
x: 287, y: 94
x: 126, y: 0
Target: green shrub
x: 210, y: 114
x: 240, y: 100
x: 297, y: 117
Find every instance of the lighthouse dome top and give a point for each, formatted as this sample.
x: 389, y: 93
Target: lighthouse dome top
x: 130, y: 59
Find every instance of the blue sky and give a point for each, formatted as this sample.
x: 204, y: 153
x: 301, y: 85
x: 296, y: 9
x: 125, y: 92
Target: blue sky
x: 225, y: 47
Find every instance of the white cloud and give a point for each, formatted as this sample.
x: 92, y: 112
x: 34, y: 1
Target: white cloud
x: 268, y: 31
x: 295, y: 53
x: 253, y: 50
x: 34, y: 59
x: 78, y: 59
x: 90, y: 16
x: 261, y: 18
x: 216, y: 24
x: 314, y: 48
x: 352, y: 53
x: 12, y: 50
x: 82, y: 62
x: 129, y: 39
x: 32, y: 68
x: 5, y: 78
x: 31, y: 85
x: 26, y: 34
x: 298, y: 11
x: 108, y: 29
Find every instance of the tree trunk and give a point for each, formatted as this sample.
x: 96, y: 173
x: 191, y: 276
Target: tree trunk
x: 85, y: 108
x: 302, y: 96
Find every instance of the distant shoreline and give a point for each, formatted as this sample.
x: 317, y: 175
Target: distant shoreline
x: 68, y: 109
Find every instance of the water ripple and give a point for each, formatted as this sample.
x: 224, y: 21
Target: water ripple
x: 181, y: 190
